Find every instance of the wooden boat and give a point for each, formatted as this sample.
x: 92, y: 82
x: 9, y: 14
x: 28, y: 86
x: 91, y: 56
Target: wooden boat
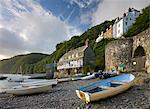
x: 33, y: 82
x: 105, y: 88
x: 26, y: 90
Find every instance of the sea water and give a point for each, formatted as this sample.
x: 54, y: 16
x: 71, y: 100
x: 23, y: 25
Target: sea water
x: 5, y: 84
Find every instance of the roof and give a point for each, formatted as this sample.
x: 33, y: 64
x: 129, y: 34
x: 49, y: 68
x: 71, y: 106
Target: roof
x: 75, y: 51
x: 118, y: 19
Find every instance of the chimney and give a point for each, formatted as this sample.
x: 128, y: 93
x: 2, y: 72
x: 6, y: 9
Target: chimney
x: 87, y: 42
x: 124, y: 14
x: 129, y: 10
x: 102, y: 33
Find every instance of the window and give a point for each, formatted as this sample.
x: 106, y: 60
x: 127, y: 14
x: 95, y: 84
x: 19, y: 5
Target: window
x: 69, y: 57
x: 77, y: 55
x: 118, y: 25
x: 72, y: 55
x: 130, y: 19
x: 126, y: 18
x: 126, y: 23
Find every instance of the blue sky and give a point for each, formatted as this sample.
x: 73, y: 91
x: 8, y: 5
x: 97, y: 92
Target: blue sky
x: 71, y: 11
x: 38, y: 25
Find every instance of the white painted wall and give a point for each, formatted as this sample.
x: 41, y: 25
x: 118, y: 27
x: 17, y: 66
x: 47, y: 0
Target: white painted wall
x: 119, y: 28
x: 124, y: 23
x: 71, y: 64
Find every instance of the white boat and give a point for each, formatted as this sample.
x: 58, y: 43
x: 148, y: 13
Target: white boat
x: 34, y: 82
x: 26, y: 90
x: 105, y: 88
x: 76, y: 78
x: 64, y: 80
x: 88, y: 77
x: 5, y: 84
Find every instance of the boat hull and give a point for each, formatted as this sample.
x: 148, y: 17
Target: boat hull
x: 64, y: 80
x: 89, y: 97
x: 29, y: 90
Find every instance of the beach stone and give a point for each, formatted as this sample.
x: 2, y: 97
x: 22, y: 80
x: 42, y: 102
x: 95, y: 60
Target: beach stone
x: 66, y: 98
x: 126, y: 100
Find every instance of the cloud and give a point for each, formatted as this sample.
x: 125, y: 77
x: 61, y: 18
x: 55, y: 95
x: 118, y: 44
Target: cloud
x: 86, y: 7
x: 81, y: 3
x: 10, y: 43
x: 27, y: 27
x: 110, y: 9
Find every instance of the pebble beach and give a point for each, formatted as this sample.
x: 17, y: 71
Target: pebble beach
x: 63, y: 96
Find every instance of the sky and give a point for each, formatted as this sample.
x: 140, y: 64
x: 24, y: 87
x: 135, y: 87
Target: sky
x: 28, y: 26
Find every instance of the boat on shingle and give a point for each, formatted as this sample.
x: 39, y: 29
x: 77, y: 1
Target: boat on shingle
x: 29, y: 89
x: 105, y: 88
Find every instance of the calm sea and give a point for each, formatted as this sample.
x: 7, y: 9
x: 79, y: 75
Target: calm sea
x: 4, y: 84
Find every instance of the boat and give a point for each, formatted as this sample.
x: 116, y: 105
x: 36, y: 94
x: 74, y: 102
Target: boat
x: 104, y: 75
x: 92, y: 76
x: 64, y: 80
x: 5, y: 84
x: 76, y: 78
x: 3, y: 78
x: 37, y: 82
x: 15, y: 79
x: 27, y: 90
x: 105, y: 88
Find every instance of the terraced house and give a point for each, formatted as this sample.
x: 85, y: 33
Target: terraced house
x: 73, y: 61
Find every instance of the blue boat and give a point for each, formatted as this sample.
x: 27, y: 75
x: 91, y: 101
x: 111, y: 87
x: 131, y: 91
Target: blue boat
x: 105, y: 88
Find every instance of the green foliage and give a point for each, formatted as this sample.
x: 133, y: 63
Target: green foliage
x: 141, y: 24
x: 21, y: 63
x: 99, y: 49
x: 89, y: 68
x: 74, y: 42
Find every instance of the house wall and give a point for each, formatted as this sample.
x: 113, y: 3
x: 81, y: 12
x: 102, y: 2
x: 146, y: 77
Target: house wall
x: 109, y: 32
x: 119, y: 29
x: 122, y: 25
x: 115, y: 30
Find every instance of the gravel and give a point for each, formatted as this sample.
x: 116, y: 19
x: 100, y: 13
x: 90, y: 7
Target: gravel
x: 63, y: 96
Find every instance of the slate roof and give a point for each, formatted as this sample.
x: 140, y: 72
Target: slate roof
x: 74, y: 51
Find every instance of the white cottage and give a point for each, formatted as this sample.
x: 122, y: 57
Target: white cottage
x: 75, y: 60
x: 122, y: 24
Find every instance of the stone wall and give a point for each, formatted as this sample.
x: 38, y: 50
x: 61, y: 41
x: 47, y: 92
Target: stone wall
x: 143, y: 39
x: 122, y: 51
x: 118, y: 52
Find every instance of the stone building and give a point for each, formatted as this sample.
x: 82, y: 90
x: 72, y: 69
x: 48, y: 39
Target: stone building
x: 133, y: 52
x: 74, y: 60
